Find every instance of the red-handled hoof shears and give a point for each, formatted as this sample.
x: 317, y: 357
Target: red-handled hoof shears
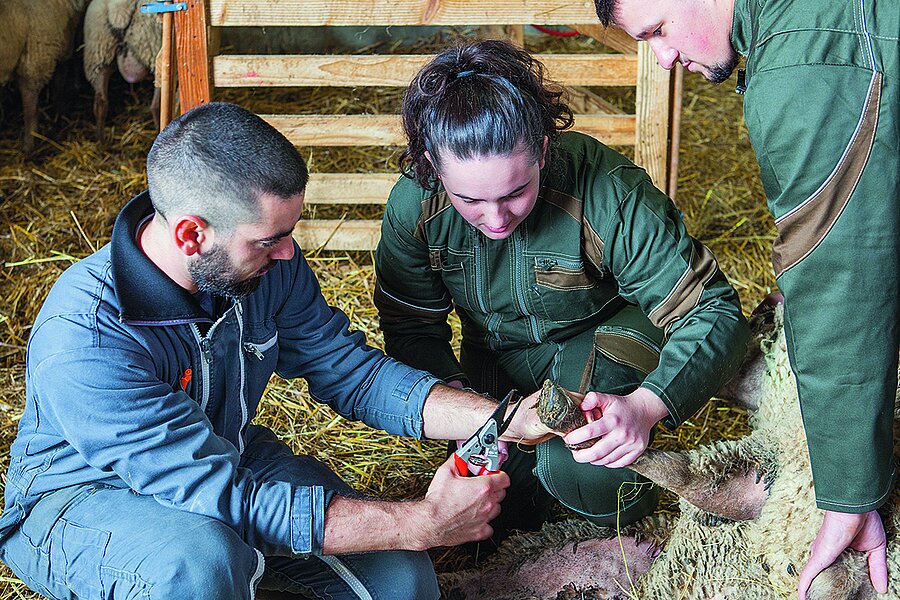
x: 480, y: 455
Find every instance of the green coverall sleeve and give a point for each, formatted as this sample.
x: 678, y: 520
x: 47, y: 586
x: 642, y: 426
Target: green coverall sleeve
x: 677, y: 283
x: 412, y: 301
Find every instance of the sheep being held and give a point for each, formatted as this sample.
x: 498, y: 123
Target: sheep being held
x: 747, y: 516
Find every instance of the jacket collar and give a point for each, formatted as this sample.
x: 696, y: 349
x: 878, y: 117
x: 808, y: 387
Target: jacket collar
x: 742, y: 27
x: 146, y: 295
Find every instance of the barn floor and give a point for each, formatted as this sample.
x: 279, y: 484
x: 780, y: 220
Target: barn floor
x: 60, y: 205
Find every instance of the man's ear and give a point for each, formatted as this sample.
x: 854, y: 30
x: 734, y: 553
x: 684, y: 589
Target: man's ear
x: 190, y: 233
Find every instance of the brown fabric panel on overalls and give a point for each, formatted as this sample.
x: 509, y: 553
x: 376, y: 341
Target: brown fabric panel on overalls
x: 626, y: 349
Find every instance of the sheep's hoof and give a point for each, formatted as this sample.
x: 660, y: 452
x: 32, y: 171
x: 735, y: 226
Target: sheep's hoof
x: 560, y: 411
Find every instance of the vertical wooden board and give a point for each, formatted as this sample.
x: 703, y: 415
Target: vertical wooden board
x: 651, y: 143
x: 194, y: 83
x: 675, y: 129
x: 165, y: 79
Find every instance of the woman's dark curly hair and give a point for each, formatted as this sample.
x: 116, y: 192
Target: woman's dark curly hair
x: 479, y: 99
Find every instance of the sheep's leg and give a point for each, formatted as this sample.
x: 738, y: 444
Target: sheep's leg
x: 745, y: 388
x: 738, y: 495
x: 29, y: 114
x: 101, y: 101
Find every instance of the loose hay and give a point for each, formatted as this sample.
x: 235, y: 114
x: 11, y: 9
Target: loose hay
x: 60, y: 208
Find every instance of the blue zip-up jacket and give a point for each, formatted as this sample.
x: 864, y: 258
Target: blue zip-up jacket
x: 131, y: 384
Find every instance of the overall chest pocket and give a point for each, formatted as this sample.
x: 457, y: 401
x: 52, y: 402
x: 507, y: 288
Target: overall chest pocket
x: 458, y: 274
x: 564, y: 290
x: 260, y: 350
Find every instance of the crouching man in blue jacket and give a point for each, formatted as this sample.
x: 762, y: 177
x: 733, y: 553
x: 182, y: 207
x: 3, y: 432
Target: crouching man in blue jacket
x: 137, y: 471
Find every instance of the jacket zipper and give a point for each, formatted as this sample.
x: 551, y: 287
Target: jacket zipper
x: 239, y: 310
x: 517, y: 285
x: 257, y: 350
x: 205, y: 360
x: 251, y: 349
x: 479, y: 296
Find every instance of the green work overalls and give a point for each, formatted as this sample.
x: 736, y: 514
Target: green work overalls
x: 823, y: 110
x: 602, y: 267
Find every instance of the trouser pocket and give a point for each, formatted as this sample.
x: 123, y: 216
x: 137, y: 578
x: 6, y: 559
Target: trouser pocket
x: 625, y: 349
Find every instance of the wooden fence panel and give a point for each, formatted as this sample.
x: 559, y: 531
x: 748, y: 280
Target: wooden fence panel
x: 652, y: 130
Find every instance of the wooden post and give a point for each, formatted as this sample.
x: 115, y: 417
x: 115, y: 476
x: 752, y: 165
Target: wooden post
x: 165, y: 77
x: 675, y: 129
x: 195, y: 84
x: 651, y: 142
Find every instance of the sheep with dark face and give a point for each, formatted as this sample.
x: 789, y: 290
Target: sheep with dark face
x: 747, y: 520
x: 34, y: 39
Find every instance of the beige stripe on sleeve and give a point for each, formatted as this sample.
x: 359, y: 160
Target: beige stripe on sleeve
x: 687, y: 291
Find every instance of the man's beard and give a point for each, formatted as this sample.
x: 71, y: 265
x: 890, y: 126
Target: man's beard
x: 721, y: 71
x: 214, y: 274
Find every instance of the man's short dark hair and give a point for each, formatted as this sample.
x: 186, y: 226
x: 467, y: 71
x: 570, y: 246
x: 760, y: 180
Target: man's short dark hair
x: 605, y: 11
x: 215, y: 162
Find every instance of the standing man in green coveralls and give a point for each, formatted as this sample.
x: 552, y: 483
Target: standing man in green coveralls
x: 822, y: 109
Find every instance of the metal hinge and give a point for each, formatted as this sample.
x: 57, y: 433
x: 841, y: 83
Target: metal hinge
x: 163, y: 7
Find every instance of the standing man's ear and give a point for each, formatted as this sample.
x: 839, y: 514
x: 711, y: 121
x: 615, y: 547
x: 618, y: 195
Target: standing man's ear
x: 190, y: 233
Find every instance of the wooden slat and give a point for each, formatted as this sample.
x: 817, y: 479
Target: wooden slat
x: 240, y: 70
x: 651, y: 149
x: 385, y: 130
x: 226, y: 13
x: 583, y: 100
x: 612, y: 37
x: 194, y: 85
x: 350, y: 188
x: 339, y: 130
x: 357, y: 234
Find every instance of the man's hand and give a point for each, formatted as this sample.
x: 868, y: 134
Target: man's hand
x: 457, y: 509
x: 526, y: 426
x: 622, y: 424
x: 451, y: 414
x: 839, y: 531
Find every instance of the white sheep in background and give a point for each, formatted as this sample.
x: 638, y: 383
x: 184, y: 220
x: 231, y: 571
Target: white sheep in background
x: 705, y: 556
x: 34, y: 38
x: 116, y: 32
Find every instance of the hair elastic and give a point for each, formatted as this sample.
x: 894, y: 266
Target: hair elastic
x: 462, y: 74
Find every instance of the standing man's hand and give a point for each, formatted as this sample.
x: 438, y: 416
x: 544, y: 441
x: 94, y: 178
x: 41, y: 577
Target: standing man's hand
x: 839, y: 531
x: 457, y: 509
x: 622, y: 425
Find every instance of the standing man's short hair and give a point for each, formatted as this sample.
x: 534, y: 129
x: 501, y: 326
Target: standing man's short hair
x: 216, y: 160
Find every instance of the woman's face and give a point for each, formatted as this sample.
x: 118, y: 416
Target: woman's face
x: 493, y: 193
